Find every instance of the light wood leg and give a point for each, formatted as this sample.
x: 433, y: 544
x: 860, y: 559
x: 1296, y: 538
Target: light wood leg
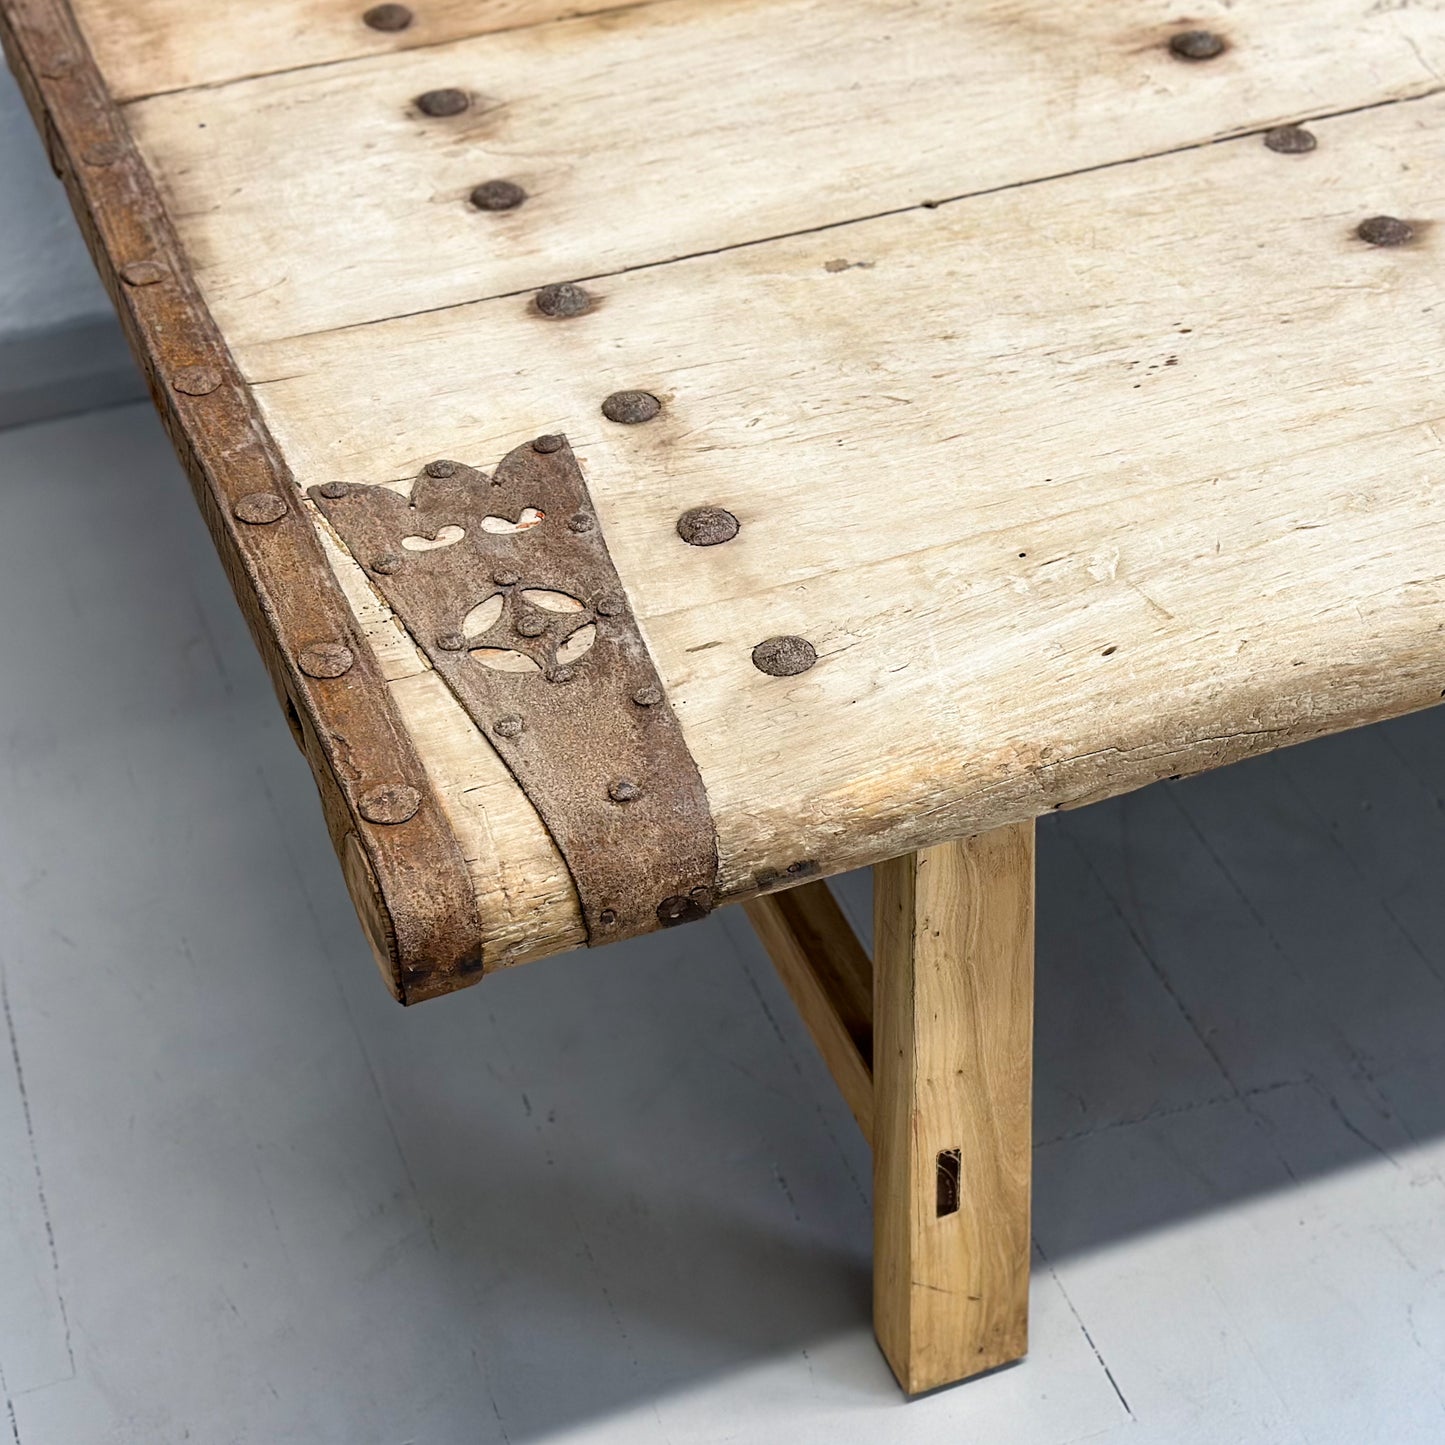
x: 952, y: 1070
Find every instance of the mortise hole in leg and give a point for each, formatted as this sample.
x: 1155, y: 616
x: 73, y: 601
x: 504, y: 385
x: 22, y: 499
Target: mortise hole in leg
x: 950, y: 1167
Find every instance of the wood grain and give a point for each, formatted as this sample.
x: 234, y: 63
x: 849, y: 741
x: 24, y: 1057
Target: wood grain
x: 953, y: 1020
x: 409, y: 883
x: 320, y: 198
x: 148, y: 46
x: 1074, y: 487
x: 830, y: 978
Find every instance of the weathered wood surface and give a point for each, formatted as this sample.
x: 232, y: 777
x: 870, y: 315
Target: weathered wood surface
x: 320, y: 198
x: 1073, y: 484
x: 149, y: 46
x: 953, y: 988
x: 1153, y: 488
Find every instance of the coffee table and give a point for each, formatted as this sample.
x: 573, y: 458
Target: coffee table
x: 672, y: 452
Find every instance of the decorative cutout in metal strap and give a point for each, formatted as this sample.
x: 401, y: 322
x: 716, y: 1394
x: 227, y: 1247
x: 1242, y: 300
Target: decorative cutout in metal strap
x: 506, y: 584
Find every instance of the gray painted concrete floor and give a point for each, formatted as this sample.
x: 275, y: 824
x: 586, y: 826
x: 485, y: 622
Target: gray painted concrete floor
x: 614, y: 1198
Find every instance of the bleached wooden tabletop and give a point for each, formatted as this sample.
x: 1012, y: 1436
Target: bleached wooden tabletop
x: 1063, y: 405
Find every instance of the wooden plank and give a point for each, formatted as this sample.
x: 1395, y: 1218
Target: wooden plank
x: 149, y: 46
x: 1156, y: 490
x: 321, y: 198
x: 384, y: 817
x: 953, y: 1015
x: 830, y: 978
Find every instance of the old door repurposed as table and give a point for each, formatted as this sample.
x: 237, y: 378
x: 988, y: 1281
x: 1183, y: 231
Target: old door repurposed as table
x: 674, y: 452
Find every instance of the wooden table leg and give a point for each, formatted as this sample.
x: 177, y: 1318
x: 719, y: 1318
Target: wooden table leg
x: 952, y: 1070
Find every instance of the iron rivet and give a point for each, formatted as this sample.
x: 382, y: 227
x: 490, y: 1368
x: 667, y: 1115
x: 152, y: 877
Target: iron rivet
x: 440, y: 469
x: 707, y: 526
x: 1385, y: 231
x: 506, y: 577
x: 629, y: 408
x: 497, y: 196
x: 608, y: 918
x: 579, y: 522
x: 562, y: 301
x: 784, y: 656
x: 389, y: 803
x: 609, y: 604
x: 1290, y: 140
x: 624, y: 792
x: 103, y: 153
x: 565, y: 673
x: 439, y: 103
x: 510, y: 726
x: 549, y: 444
x: 647, y: 696
x: 259, y: 508
x: 143, y: 273
x: 680, y: 909
x: 333, y: 491
x: 196, y: 380
x: 388, y: 17
x: 386, y: 564
x: 1196, y: 45
x: 531, y: 624
x: 326, y: 659
x: 451, y: 642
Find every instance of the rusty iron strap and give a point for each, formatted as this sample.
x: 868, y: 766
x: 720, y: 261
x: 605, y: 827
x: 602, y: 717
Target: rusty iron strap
x: 506, y: 584
x: 401, y: 858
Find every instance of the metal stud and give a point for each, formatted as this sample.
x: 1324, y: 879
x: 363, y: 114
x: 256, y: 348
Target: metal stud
x: 497, y: 196
x: 707, y: 526
x: 681, y: 909
x: 510, y: 726
x: 647, y: 696
x: 1385, y: 231
x: 389, y: 803
x: 562, y: 301
x: 440, y: 103
x: 143, y: 273
x: 506, y: 577
x: 386, y: 564
x: 334, y: 491
x: 629, y: 408
x: 260, y: 508
x: 326, y: 659
x: 451, y: 642
x: 388, y: 17
x: 624, y: 792
x: 439, y: 470
x: 548, y: 444
x: 579, y: 522
x: 1196, y: 45
x: 196, y: 380
x: 1290, y: 140
x: 784, y: 656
